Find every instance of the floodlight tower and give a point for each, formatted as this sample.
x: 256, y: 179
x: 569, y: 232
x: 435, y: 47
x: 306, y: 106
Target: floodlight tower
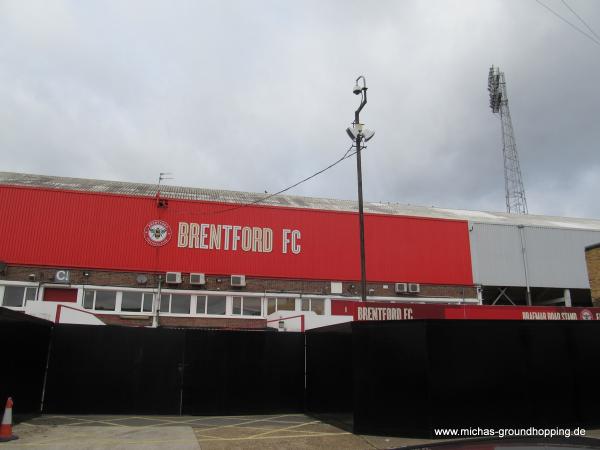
x: 513, y: 181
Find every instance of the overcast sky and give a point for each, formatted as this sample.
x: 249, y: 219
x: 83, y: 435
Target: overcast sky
x: 255, y: 95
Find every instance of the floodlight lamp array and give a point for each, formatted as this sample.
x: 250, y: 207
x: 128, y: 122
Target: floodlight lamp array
x: 494, y: 89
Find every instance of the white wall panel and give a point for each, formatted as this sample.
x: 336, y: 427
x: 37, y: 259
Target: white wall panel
x: 555, y: 257
x: 496, y: 255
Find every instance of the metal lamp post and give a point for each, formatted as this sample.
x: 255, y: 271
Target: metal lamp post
x: 359, y: 134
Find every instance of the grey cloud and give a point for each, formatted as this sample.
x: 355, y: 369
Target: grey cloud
x: 256, y: 95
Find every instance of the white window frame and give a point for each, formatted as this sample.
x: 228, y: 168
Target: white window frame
x: 297, y: 305
x: 194, y: 295
x: 310, y: 299
x: 102, y: 311
x: 141, y: 311
x: 228, y: 305
x: 170, y: 294
x: 119, y: 298
x: 243, y: 297
x: 26, y: 286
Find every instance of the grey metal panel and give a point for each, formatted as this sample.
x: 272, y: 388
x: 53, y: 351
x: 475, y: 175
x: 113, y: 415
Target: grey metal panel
x: 496, y: 255
x: 555, y: 257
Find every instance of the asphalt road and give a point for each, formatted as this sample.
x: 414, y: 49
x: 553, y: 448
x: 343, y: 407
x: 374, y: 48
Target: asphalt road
x: 276, y: 431
x: 282, y: 431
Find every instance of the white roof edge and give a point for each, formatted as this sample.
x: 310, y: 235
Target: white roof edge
x: 237, y: 197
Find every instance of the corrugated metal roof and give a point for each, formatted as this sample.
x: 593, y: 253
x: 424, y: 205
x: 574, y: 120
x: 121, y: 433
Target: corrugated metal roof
x: 235, y: 197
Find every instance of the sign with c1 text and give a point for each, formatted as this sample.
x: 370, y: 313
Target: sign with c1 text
x: 62, y: 276
x: 122, y: 232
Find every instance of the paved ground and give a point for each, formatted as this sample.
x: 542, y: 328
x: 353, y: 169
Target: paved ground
x: 283, y: 431
x: 63, y: 437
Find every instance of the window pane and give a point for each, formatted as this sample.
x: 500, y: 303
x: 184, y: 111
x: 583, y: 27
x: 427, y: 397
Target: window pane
x: 30, y: 293
x: 271, y: 305
x: 13, y: 296
x: 286, y: 304
x: 215, y: 304
x: 252, y: 306
x: 164, y: 302
x: 180, y: 304
x: 131, y: 301
x: 306, y: 304
x: 88, y: 299
x: 105, y: 300
x: 201, y: 304
x: 237, y: 305
x: 317, y: 305
x: 148, y: 300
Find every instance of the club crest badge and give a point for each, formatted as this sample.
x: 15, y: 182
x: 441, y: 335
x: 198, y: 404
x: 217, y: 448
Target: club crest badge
x: 157, y: 233
x: 586, y: 314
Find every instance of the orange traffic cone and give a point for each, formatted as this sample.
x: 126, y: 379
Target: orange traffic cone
x: 6, y: 426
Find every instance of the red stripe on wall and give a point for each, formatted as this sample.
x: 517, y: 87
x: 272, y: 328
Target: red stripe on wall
x: 410, y: 311
x: 88, y: 230
x: 60, y: 295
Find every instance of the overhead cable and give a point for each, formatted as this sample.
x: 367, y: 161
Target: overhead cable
x: 581, y: 19
x: 575, y: 27
x: 346, y: 155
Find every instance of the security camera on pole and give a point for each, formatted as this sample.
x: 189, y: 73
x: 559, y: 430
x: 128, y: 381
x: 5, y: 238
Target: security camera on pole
x: 359, y: 133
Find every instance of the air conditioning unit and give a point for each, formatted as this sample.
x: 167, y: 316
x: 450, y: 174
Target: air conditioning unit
x: 238, y: 280
x: 401, y: 288
x: 197, y: 278
x: 173, y: 277
x: 414, y: 287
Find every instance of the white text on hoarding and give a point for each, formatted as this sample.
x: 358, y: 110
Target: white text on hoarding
x: 371, y: 313
x: 234, y: 237
x: 549, y: 315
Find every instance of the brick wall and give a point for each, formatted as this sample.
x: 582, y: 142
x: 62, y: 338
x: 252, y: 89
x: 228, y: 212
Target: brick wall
x: 222, y: 283
x: 592, y: 258
x: 195, y: 322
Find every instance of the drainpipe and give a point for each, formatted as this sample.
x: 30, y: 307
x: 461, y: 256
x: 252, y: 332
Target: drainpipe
x: 524, y: 252
x: 157, y: 304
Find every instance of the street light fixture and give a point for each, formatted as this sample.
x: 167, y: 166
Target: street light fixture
x: 364, y: 131
x: 359, y: 133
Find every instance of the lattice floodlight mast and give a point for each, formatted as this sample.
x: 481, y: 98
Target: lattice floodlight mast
x: 513, y: 181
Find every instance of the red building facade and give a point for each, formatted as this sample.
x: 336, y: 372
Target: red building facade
x: 63, y: 242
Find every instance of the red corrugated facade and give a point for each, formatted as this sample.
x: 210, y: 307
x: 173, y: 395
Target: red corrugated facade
x: 59, y: 228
